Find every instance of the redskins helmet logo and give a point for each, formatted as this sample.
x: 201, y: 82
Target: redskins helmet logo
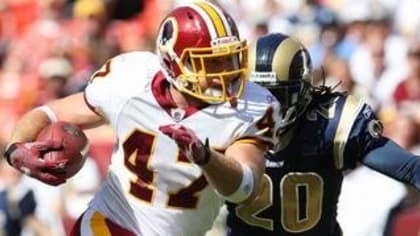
x: 168, y: 31
x: 168, y: 34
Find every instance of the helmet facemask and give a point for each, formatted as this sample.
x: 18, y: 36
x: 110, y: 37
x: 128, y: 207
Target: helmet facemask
x: 213, y: 74
x: 294, y: 97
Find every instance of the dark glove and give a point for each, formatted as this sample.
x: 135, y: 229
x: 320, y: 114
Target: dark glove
x: 27, y: 157
x: 188, y: 143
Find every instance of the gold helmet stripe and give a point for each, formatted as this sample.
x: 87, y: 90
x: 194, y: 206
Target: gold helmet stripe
x: 252, y: 57
x: 228, y: 28
x: 215, y: 17
x: 283, y: 57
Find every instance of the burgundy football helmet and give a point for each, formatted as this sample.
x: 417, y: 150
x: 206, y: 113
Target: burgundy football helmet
x: 201, y: 52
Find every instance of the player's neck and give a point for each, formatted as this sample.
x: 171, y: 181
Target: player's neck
x: 182, y: 100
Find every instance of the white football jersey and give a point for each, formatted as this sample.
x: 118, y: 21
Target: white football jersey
x: 152, y: 189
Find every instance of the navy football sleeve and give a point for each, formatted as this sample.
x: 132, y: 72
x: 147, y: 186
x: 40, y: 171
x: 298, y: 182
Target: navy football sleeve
x: 394, y: 161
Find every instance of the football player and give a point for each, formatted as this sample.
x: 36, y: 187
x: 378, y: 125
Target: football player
x: 191, y: 132
x: 322, y: 133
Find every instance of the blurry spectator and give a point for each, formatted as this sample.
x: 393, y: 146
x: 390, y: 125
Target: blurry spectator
x: 54, y: 72
x: 42, y: 38
x: 333, y: 41
x: 89, y: 8
x: 16, y: 17
x: 17, y: 205
x: 408, y: 91
x: 404, y: 217
x: 378, y: 64
x: 339, y: 75
x: 260, y: 29
x: 404, y: 131
x: 317, y: 26
x: 407, y: 18
x: 49, y: 206
x: 91, y: 42
x: 126, y: 9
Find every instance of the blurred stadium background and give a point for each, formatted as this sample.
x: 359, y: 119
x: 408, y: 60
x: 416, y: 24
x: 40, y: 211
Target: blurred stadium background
x: 49, y: 48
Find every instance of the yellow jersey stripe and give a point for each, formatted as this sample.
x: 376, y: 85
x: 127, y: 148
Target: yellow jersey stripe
x: 215, y: 18
x: 98, y: 225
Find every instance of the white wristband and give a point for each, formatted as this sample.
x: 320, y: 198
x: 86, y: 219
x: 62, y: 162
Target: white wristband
x: 245, y: 187
x: 50, y: 113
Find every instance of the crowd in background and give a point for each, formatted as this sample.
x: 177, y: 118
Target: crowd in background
x: 370, y: 48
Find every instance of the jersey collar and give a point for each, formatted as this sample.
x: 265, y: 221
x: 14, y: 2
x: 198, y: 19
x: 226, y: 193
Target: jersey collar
x: 160, y: 91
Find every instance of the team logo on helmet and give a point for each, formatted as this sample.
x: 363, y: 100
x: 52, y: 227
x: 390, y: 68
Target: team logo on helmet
x: 168, y: 35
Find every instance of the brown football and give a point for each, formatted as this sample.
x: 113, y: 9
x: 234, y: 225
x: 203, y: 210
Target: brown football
x: 73, y: 141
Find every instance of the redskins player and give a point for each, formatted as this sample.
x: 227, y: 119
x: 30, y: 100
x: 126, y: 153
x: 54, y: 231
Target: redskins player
x: 191, y: 131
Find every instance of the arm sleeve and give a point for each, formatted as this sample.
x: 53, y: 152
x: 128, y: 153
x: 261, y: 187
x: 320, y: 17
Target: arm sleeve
x: 120, y: 79
x: 99, y: 93
x: 394, y: 161
x: 114, y: 84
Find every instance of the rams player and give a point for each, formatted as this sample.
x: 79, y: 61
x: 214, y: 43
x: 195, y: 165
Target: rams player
x: 164, y: 179
x: 322, y: 133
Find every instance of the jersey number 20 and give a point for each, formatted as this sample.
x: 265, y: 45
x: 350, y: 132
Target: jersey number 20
x: 301, y: 203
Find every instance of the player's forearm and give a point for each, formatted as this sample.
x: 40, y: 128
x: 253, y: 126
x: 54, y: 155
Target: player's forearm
x: 237, y: 174
x: 223, y: 173
x: 73, y: 109
x: 394, y: 161
x: 29, y: 126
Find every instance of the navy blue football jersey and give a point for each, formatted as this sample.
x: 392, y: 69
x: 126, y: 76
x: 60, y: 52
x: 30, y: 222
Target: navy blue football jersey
x: 303, y: 179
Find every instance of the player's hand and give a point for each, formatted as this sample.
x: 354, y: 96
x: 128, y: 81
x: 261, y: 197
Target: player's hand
x: 191, y: 146
x: 27, y: 158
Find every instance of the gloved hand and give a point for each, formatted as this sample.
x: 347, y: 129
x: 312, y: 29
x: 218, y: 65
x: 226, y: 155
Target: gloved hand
x: 192, y: 147
x: 27, y: 157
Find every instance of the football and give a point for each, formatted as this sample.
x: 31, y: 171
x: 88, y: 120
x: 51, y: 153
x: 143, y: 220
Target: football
x: 74, y: 142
